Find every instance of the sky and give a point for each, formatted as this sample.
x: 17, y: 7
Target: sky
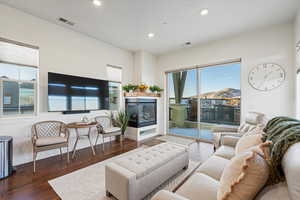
x: 213, y: 78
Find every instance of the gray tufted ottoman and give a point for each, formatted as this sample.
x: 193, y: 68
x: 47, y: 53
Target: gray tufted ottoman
x: 134, y: 176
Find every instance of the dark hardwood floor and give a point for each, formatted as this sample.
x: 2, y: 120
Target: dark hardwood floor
x: 25, y: 185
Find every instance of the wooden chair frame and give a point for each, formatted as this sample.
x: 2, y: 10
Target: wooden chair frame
x: 37, y: 133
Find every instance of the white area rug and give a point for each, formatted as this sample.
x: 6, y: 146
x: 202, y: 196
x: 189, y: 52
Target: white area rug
x: 177, y: 140
x: 89, y: 183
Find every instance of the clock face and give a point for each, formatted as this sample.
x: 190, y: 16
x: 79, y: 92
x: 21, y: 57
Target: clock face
x: 265, y: 77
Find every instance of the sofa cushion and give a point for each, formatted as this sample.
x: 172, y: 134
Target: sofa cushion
x: 199, y: 186
x: 50, y: 140
x: 244, y: 128
x: 227, y: 152
x: 230, y: 140
x: 274, y: 192
x: 247, y: 142
x: 243, y: 177
x: 291, y: 168
x: 111, y: 130
x: 145, y: 161
x: 214, y: 167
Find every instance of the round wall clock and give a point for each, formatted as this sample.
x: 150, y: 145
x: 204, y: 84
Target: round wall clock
x: 266, y: 77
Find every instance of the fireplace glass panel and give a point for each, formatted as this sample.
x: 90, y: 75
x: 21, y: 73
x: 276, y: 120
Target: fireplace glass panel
x: 142, y: 112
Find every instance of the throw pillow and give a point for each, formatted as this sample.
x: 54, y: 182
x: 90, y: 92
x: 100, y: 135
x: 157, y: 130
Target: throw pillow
x: 257, y: 130
x: 243, y: 177
x: 247, y: 142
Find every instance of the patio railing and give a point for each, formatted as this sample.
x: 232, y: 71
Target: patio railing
x: 218, y: 114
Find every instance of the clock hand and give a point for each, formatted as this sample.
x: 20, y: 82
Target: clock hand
x: 265, y: 78
x: 262, y: 83
x: 267, y: 75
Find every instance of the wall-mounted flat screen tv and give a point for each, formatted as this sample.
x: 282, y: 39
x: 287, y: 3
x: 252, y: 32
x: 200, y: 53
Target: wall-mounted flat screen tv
x: 74, y: 93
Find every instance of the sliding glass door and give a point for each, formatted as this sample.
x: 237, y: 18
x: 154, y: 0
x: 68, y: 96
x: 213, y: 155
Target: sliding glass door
x: 182, y: 107
x: 200, y: 99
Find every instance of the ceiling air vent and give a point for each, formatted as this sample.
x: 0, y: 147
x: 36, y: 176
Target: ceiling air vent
x: 63, y: 20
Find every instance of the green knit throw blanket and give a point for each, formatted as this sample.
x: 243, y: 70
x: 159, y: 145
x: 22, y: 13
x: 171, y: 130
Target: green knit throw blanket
x: 283, y: 132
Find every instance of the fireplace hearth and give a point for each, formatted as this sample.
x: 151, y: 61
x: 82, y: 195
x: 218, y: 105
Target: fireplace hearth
x: 142, y: 112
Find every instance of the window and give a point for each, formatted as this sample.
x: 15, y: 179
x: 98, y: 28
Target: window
x: 18, y: 89
x: 201, y: 98
x: 18, y: 78
x: 115, y: 76
x: 114, y: 95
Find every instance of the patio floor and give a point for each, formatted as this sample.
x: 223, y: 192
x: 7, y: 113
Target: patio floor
x: 205, y: 134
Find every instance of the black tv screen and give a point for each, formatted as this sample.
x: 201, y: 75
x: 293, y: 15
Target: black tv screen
x: 74, y: 93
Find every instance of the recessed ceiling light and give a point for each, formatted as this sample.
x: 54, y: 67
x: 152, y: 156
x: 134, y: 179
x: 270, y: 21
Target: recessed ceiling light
x: 188, y: 43
x: 151, y: 35
x: 204, y: 12
x: 97, y: 2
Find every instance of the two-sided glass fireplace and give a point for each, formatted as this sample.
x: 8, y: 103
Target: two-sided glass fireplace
x: 142, y: 112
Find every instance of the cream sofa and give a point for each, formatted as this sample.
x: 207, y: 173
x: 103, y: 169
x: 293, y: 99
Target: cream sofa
x: 203, y: 185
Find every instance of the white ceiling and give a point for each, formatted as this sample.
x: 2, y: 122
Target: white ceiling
x: 126, y: 23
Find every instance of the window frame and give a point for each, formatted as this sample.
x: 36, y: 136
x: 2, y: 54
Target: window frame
x: 122, y: 100
x: 19, y: 82
x: 120, y: 95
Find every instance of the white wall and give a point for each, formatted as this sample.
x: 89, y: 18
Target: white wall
x: 297, y: 53
x: 145, y: 67
x: 297, y: 37
x: 63, y: 51
x: 272, y: 44
x: 137, y: 63
x: 145, y: 71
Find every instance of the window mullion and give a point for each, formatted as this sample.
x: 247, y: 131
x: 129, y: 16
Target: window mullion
x: 1, y: 96
x: 19, y: 83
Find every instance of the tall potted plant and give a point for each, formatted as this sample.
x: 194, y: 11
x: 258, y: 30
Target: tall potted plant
x: 121, y: 120
x: 179, y: 109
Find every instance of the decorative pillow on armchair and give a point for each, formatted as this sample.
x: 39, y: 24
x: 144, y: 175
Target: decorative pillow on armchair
x: 246, y: 142
x: 244, y: 128
x: 243, y: 177
x: 257, y: 130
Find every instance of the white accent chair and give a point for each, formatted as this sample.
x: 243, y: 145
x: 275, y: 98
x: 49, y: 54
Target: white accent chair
x: 253, y: 119
x: 106, y: 129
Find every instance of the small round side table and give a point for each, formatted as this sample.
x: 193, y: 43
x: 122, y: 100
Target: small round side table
x: 81, y: 125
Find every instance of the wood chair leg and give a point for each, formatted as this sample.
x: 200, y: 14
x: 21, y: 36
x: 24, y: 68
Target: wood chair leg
x: 103, y: 143
x: 34, y: 161
x: 68, y: 155
x: 61, y: 156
